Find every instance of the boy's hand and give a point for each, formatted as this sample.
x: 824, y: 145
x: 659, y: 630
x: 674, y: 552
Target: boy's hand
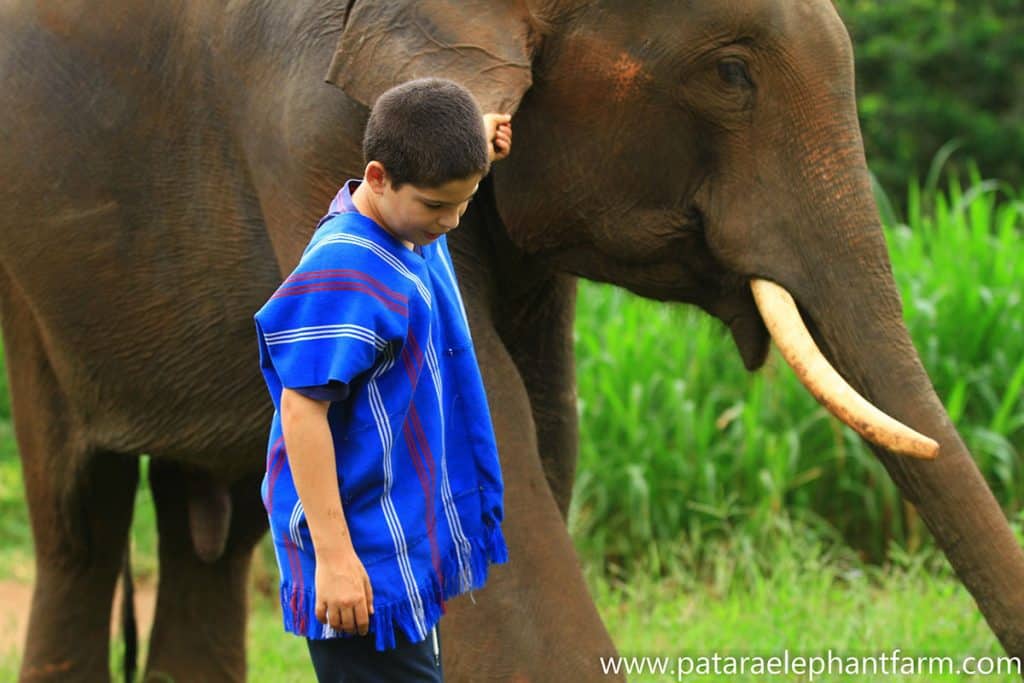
x: 499, y: 135
x: 344, y: 597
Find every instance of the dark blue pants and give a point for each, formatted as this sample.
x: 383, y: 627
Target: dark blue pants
x: 354, y: 660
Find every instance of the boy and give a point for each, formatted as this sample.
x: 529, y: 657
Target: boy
x: 383, y: 486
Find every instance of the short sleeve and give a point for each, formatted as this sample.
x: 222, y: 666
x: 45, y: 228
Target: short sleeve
x: 329, y: 320
x: 332, y: 391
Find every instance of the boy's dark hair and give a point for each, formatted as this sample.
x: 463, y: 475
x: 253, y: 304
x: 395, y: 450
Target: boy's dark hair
x: 426, y: 132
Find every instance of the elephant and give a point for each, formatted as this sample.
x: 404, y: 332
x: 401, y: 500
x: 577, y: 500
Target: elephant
x: 164, y: 165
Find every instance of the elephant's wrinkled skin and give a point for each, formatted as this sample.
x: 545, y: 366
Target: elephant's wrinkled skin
x: 163, y: 165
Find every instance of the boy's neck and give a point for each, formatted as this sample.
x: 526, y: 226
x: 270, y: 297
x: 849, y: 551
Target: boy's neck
x: 365, y: 202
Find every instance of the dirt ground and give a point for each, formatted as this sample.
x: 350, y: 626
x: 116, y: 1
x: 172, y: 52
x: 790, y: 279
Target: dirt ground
x: 15, y: 597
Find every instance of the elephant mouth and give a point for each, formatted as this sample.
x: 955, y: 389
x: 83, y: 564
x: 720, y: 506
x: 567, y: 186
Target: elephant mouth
x: 796, y: 344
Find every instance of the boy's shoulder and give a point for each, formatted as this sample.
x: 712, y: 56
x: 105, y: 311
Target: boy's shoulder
x: 348, y: 236
x: 333, y: 228
x: 350, y: 244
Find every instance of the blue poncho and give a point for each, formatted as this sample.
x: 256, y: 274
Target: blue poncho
x: 415, y: 452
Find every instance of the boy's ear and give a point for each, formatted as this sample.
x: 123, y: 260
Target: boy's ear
x: 484, y: 45
x: 376, y: 175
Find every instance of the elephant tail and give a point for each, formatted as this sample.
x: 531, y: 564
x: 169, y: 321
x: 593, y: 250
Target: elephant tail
x: 128, y: 623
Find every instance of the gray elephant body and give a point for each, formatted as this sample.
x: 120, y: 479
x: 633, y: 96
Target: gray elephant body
x: 165, y: 165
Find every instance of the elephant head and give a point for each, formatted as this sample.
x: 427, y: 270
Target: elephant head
x: 687, y: 150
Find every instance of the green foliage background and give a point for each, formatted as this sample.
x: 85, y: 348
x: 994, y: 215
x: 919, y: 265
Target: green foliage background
x: 931, y: 71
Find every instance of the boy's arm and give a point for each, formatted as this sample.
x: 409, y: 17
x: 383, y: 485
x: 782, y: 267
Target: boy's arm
x: 344, y: 597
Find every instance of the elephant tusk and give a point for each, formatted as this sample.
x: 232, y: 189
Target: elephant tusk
x: 823, y: 381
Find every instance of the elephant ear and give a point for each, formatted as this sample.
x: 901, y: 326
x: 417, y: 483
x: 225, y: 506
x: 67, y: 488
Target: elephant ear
x: 485, y: 45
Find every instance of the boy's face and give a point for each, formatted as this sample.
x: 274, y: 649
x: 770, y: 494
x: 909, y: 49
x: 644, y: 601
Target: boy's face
x: 419, y: 215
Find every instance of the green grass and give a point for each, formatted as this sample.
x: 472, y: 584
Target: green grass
x: 15, y: 533
x: 812, y: 601
x: 798, y: 594
x: 806, y: 610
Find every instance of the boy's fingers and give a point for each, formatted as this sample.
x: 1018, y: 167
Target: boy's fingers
x: 348, y: 622
x: 321, y: 613
x: 362, y: 619
x: 368, y: 590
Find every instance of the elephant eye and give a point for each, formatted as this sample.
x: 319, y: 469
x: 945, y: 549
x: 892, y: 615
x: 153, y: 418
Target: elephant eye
x: 735, y: 73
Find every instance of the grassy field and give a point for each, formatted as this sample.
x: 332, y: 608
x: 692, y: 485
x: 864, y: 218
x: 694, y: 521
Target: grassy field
x: 721, y: 511
x: 809, y: 606
x: 813, y: 600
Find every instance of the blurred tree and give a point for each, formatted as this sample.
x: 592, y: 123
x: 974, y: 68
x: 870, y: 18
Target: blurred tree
x: 930, y: 71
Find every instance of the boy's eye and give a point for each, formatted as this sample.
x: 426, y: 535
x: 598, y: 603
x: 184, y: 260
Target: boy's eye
x: 432, y: 206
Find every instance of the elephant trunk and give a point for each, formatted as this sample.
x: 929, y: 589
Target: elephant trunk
x: 853, y: 307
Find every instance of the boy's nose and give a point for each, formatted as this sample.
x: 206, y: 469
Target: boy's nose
x: 450, y: 221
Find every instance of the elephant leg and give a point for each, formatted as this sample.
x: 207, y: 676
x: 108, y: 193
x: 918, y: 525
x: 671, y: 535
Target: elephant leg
x: 80, y: 537
x: 534, y: 620
x: 80, y: 502
x: 533, y: 316
x: 536, y: 326
x: 199, y: 626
